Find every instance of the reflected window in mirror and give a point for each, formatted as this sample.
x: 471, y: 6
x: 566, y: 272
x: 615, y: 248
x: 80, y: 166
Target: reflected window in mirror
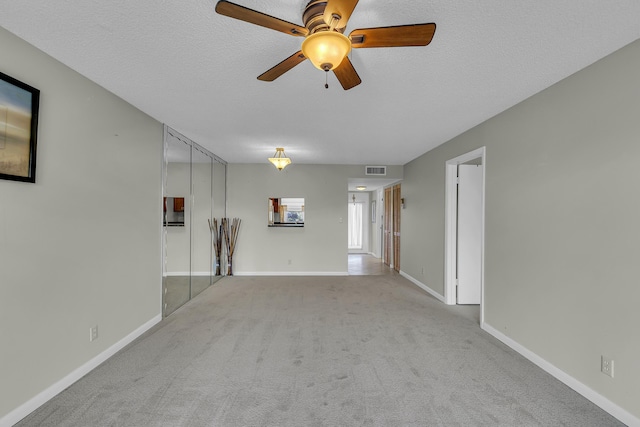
x: 286, y: 212
x: 173, y: 214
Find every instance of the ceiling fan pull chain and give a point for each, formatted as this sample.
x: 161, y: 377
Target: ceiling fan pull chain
x: 326, y: 79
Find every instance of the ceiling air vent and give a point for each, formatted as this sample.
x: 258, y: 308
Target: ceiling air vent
x: 376, y: 170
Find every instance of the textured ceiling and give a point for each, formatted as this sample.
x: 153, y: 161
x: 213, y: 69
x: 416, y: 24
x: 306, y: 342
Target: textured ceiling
x: 195, y: 70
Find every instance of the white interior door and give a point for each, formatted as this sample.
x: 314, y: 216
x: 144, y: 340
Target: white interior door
x: 469, y: 234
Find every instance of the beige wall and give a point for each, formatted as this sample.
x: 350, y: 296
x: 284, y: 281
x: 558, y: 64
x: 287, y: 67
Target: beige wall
x: 81, y: 246
x: 321, y: 246
x: 562, y: 209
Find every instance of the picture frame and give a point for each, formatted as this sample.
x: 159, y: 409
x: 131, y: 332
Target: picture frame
x: 19, y: 106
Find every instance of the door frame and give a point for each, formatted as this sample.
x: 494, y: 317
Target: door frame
x: 387, y: 226
x: 396, y: 224
x: 450, y: 221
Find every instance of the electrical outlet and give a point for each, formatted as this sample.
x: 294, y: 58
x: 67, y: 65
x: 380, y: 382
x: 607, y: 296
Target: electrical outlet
x: 93, y: 333
x: 606, y: 366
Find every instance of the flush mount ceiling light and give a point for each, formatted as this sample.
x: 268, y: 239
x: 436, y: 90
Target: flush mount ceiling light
x: 280, y: 159
x: 361, y: 187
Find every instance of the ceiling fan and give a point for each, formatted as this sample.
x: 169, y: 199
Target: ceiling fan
x: 324, y: 42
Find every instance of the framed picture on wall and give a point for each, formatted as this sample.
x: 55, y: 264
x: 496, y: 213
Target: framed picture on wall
x: 19, y: 104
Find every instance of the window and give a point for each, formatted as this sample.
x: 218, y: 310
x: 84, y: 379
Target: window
x: 355, y: 226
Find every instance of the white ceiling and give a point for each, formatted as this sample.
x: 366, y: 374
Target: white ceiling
x: 195, y: 70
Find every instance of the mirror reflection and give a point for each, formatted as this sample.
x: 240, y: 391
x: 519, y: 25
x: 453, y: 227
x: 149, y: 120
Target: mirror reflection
x: 286, y: 212
x: 194, y: 190
x: 174, y: 211
x: 201, y: 211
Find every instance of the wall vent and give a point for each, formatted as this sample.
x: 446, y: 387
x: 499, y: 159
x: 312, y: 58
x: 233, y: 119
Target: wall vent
x: 375, y: 170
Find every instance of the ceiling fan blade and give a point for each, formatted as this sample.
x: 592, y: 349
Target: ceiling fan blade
x: 342, y: 8
x: 242, y: 13
x: 347, y: 75
x: 401, y: 35
x: 275, y: 72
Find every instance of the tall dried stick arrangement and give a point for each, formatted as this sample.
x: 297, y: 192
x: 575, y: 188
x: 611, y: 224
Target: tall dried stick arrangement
x: 230, y: 237
x: 216, y: 230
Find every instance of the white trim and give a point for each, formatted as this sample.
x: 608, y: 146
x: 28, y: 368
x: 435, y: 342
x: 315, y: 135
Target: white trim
x: 202, y: 273
x: 177, y: 273
x: 188, y: 273
x: 44, y: 396
x: 291, y: 273
x: 451, y: 236
x: 592, y: 395
x: 422, y: 286
x: 450, y: 207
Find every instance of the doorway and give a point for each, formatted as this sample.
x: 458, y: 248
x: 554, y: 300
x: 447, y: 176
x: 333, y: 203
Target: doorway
x: 365, y: 230
x: 457, y: 251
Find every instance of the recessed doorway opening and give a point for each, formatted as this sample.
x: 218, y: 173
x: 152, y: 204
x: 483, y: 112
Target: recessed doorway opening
x: 464, y: 229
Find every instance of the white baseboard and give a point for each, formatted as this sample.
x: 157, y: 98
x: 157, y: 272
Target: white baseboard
x: 189, y: 273
x: 291, y: 273
x: 422, y: 286
x: 41, y: 398
x: 595, y: 397
x: 177, y: 273
x: 202, y: 273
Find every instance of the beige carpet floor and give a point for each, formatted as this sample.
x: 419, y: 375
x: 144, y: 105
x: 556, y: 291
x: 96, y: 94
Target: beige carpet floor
x: 318, y: 351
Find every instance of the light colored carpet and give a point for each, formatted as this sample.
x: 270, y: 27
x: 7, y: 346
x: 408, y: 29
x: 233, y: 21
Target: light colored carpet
x: 319, y: 351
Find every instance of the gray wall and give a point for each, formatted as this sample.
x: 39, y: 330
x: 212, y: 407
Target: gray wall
x: 321, y: 246
x: 562, y: 209
x: 81, y: 247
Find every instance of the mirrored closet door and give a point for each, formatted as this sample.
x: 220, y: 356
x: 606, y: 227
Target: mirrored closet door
x: 194, y: 192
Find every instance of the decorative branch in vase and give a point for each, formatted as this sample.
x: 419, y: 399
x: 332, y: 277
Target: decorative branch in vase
x: 231, y: 229
x: 216, y: 230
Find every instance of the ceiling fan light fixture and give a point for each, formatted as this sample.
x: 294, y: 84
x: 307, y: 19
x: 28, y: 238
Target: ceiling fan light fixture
x: 326, y: 49
x: 280, y: 159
